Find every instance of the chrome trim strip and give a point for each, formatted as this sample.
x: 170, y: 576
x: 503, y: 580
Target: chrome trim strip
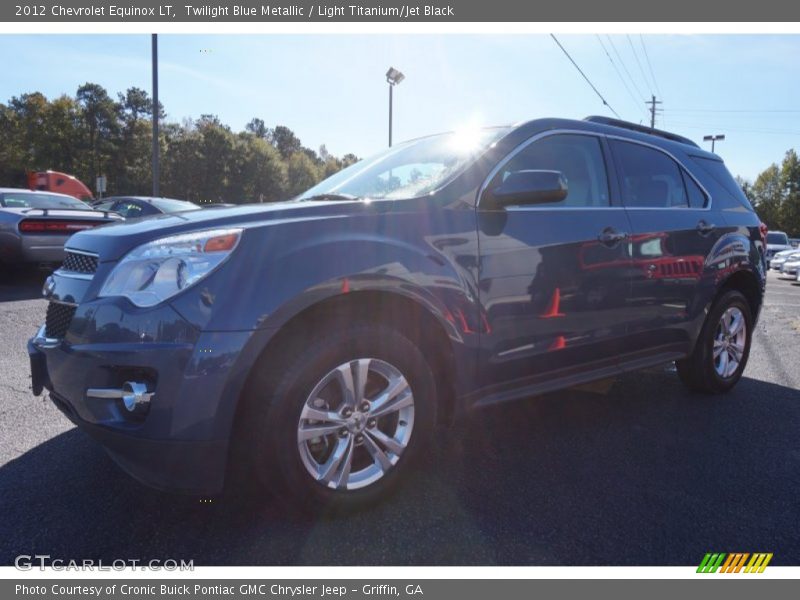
x: 74, y: 274
x: 84, y: 252
x: 50, y: 299
x: 42, y: 341
x: 552, y: 132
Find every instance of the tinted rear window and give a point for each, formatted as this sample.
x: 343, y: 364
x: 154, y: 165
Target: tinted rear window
x: 719, y: 172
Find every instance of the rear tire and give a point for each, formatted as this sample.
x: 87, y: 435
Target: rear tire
x: 335, y: 425
x: 722, y: 349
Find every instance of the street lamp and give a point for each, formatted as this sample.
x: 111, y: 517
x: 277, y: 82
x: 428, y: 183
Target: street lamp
x: 712, y: 139
x: 393, y: 77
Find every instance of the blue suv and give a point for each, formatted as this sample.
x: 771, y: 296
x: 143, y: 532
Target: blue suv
x: 314, y: 345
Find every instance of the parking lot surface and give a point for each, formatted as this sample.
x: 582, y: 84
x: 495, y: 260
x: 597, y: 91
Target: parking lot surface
x: 643, y: 474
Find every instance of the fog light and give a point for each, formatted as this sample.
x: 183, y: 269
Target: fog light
x: 136, y: 398
x: 134, y: 395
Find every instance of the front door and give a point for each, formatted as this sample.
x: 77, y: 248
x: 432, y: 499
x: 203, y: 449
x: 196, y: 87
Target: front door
x: 554, y: 278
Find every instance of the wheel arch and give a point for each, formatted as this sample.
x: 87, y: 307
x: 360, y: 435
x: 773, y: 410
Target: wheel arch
x: 747, y: 283
x: 411, y: 317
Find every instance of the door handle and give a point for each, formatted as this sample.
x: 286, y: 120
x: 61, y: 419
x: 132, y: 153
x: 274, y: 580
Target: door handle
x: 704, y: 228
x: 611, y: 237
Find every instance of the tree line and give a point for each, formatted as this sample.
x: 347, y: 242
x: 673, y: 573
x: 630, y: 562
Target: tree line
x: 775, y: 194
x: 202, y: 160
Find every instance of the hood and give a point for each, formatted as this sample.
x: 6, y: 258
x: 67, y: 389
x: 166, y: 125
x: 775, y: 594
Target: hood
x: 114, y: 240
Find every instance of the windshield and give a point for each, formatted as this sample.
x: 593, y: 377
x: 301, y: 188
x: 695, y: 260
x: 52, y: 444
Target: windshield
x: 778, y: 239
x: 39, y: 200
x: 411, y: 169
x: 169, y: 205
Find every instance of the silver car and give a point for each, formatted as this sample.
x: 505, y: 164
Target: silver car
x: 791, y: 265
x: 34, y: 225
x: 781, y: 257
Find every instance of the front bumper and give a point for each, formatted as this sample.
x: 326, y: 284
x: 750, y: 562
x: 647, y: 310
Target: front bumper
x: 181, y: 443
x: 789, y: 269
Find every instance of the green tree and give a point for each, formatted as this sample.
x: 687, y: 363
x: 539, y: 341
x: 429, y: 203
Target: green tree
x: 790, y: 206
x: 257, y: 171
x: 100, y: 118
x: 284, y: 140
x: 303, y: 173
x: 767, y: 196
x: 201, y: 160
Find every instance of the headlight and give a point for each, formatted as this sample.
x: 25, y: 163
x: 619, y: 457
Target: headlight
x: 160, y: 269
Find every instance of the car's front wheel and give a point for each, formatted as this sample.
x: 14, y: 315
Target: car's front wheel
x: 342, y: 419
x: 721, y: 352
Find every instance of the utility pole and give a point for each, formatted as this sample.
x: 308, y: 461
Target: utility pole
x: 155, y: 114
x: 653, y: 111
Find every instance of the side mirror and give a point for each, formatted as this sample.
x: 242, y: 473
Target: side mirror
x: 528, y: 187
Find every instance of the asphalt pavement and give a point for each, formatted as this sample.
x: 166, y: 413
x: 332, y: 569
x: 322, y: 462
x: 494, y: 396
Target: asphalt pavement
x: 643, y: 474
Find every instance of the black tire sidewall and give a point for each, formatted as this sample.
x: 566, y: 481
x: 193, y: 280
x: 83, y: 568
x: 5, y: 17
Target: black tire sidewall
x: 713, y: 381
x: 276, y: 459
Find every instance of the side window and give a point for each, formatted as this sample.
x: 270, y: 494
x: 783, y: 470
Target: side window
x: 146, y: 208
x: 580, y: 160
x: 697, y: 198
x: 649, y: 178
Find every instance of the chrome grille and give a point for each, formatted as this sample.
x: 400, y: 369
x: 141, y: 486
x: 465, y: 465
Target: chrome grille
x: 59, y: 316
x: 78, y: 262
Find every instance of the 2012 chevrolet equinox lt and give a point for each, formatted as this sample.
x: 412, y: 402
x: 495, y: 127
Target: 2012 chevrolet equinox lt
x: 321, y: 340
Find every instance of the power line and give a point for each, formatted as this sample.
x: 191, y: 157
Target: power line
x: 649, y: 65
x: 737, y: 110
x: 636, y: 58
x: 599, y: 95
x: 622, y: 62
x: 619, y: 73
x: 739, y: 130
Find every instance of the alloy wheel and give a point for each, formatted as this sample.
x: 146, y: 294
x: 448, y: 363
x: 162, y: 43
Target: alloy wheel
x: 730, y: 338
x: 355, y: 424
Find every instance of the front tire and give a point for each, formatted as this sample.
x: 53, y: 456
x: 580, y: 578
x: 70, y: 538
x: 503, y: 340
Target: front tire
x: 721, y: 352
x: 336, y: 425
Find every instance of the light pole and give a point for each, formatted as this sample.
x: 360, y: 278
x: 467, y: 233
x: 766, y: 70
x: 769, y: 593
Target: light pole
x: 712, y: 139
x: 393, y: 77
x: 154, y: 52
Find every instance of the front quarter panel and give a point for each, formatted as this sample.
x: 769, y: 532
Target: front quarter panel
x: 282, y: 268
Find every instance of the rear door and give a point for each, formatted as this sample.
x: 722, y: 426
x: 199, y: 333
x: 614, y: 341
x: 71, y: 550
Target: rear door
x: 674, y: 229
x: 554, y: 278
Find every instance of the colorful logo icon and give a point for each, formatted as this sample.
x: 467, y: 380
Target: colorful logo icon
x: 734, y: 562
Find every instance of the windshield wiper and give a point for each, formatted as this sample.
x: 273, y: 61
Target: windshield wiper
x: 332, y: 197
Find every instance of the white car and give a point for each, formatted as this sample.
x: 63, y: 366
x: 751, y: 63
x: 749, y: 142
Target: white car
x: 781, y: 257
x: 791, y: 266
x: 777, y: 241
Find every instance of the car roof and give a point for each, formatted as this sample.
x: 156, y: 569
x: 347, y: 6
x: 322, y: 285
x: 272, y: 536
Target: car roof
x: 142, y: 199
x: 8, y: 190
x: 615, y: 127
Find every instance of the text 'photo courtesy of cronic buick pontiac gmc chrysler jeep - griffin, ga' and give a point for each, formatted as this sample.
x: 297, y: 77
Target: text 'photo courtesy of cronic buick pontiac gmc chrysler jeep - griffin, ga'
x: 314, y: 346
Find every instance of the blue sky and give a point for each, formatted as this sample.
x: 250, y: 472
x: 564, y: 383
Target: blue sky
x: 330, y: 89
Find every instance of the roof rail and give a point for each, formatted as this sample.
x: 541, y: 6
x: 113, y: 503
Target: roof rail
x: 641, y: 129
